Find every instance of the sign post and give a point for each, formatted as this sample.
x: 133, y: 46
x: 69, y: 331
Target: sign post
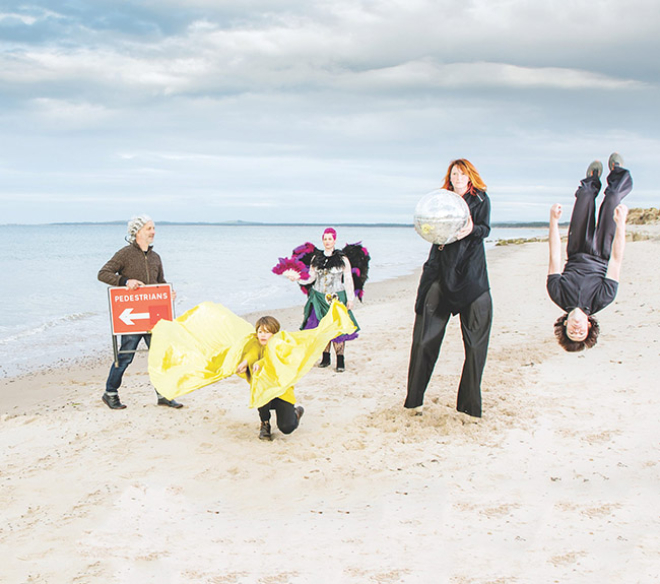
x: 136, y: 312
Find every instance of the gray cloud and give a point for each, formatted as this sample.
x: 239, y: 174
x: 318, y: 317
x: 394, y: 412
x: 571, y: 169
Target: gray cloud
x: 262, y: 109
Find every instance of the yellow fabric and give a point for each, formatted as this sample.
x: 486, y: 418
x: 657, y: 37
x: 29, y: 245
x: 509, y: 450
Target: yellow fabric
x: 208, y: 342
x: 200, y: 347
x: 254, y: 353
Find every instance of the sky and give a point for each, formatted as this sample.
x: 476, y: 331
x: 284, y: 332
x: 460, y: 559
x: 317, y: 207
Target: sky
x: 340, y: 111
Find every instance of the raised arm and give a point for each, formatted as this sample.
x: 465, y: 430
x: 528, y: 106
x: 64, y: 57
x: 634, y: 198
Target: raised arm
x: 619, y: 243
x: 554, y: 241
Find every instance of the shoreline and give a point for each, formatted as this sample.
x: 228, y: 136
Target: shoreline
x: 557, y: 481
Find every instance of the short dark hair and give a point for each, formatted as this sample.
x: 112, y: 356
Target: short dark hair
x: 270, y: 323
x: 574, y: 346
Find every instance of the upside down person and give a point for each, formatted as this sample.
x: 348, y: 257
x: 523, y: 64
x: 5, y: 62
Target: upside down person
x: 590, y: 278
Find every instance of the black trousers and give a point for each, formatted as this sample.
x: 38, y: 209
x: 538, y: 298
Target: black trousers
x: 287, y: 420
x: 584, y: 236
x: 428, y: 333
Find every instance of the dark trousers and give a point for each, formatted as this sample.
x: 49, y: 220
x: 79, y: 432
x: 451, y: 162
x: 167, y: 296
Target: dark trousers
x: 428, y: 332
x: 128, y: 343
x: 287, y: 419
x: 584, y: 236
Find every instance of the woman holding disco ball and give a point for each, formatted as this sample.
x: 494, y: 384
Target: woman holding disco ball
x: 454, y: 281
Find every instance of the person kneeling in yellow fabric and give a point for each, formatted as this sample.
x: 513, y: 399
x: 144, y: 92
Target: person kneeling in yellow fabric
x: 288, y: 415
x: 209, y: 343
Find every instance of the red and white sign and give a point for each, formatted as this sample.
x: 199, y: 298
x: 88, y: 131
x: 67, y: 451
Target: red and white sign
x: 137, y: 311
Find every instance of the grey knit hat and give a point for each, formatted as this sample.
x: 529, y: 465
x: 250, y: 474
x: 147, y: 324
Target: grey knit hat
x: 135, y: 224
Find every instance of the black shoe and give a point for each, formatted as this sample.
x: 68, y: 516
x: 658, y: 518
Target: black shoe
x: 325, y: 362
x: 264, y: 431
x: 163, y: 401
x: 340, y: 364
x: 615, y: 160
x: 112, y: 401
x: 595, y: 169
x: 299, y: 411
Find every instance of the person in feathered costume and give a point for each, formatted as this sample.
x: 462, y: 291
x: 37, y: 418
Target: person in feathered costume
x: 209, y: 342
x: 326, y: 274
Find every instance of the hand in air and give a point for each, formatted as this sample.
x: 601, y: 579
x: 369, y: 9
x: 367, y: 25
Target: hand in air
x: 555, y: 211
x: 242, y: 367
x: 620, y: 214
x: 292, y: 275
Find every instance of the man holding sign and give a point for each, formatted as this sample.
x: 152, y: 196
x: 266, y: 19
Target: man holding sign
x: 133, y: 266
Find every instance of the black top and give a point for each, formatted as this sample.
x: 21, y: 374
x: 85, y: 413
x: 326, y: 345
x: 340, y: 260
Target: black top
x: 460, y: 267
x: 582, y: 285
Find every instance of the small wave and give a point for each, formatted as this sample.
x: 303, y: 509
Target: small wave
x: 62, y: 320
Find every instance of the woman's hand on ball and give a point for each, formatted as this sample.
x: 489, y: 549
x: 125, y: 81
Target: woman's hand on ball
x: 469, y: 226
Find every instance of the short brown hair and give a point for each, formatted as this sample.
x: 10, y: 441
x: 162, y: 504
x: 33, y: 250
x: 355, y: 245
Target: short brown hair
x: 270, y: 323
x: 569, y: 344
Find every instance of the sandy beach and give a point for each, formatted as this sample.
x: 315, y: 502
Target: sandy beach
x: 555, y: 484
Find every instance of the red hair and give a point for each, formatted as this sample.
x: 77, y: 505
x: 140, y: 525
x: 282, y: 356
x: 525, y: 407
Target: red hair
x: 476, y: 182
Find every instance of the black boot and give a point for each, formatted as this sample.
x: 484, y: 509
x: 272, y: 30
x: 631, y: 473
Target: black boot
x: 264, y: 431
x: 325, y: 362
x: 340, y: 363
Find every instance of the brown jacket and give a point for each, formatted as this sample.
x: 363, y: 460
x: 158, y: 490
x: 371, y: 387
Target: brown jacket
x: 131, y: 263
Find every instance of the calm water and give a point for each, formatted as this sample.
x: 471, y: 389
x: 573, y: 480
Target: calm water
x: 54, y: 309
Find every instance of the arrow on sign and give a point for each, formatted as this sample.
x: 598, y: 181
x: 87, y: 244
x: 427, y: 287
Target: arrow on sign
x: 127, y: 317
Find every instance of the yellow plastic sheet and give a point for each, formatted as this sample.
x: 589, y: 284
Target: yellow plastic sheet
x: 206, y: 344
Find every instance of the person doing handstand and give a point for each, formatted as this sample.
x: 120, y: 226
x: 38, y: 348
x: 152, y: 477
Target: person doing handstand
x: 288, y: 415
x: 589, y: 280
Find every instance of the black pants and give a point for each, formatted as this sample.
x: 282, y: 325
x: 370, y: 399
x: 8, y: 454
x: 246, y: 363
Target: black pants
x: 583, y: 235
x: 428, y: 332
x: 287, y: 419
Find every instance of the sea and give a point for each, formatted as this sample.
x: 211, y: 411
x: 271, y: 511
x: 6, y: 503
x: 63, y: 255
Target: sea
x: 54, y: 311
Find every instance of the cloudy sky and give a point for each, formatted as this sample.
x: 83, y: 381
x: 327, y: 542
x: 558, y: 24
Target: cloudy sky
x: 318, y: 111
